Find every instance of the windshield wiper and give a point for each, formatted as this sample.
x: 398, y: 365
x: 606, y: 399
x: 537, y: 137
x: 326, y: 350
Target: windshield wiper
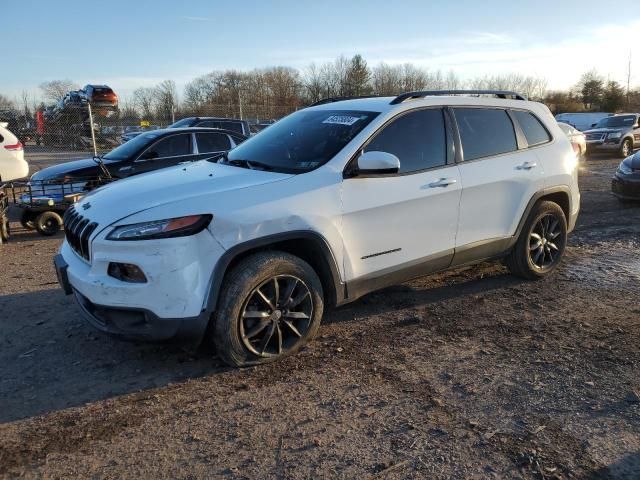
x: 242, y: 163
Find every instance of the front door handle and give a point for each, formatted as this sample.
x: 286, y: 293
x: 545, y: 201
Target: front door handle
x: 443, y: 182
x: 527, y: 166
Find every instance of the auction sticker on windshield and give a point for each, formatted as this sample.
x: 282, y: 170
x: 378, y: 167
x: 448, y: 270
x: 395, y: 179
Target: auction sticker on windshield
x: 342, y: 120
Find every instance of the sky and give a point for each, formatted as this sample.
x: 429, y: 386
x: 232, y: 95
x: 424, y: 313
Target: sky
x: 128, y: 44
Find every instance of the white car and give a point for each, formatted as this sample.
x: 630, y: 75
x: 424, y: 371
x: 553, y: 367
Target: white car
x: 12, y: 163
x: 576, y: 137
x: 326, y: 205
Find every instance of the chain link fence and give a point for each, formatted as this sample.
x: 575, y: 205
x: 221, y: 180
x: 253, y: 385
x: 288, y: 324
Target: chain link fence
x: 57, y: 135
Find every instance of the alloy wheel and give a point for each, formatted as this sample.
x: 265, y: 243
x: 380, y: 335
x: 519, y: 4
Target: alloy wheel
x: 276, y: 316
x: 545, y: 242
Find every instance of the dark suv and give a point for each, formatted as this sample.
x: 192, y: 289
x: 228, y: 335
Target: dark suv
x: 233, y: 124
x: 618, y: 133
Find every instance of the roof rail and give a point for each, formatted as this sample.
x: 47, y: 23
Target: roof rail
x: 427, y: 93
x: 340, y: 99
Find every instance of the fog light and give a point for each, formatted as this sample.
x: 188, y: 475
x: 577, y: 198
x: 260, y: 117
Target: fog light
x: 126, y: 272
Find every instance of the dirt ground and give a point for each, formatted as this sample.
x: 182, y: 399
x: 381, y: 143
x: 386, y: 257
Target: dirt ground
x: 467, y: 374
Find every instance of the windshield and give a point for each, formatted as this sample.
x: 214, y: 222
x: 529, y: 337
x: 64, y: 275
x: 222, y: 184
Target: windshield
x: 130, y: 148
x: 621, y: 121
x: 185, y: 122
x: 302, y: 141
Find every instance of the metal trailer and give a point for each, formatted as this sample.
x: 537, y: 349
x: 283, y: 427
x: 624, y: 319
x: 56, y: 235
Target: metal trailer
x: 43, y: 203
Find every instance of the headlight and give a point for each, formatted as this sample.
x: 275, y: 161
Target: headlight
x: 614, y: 135
x: 169, y: 228
x: 625, y: 169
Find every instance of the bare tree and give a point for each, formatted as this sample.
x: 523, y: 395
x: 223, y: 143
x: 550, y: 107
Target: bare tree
x: 143, y: 100
x: 312, y: 81
x: 166, y: 100
x: 54, y: 90
x: 5, y: 103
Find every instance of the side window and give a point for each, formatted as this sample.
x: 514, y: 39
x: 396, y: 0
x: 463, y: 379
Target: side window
x: 485, y: 132
x: 172, y: 146
x: 212, y: 142
x: 417, y: 138
x: 534, y: 131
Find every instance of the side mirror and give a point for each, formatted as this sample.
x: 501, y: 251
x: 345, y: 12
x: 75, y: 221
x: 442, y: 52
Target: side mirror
x: 376, y: 163
x: 593, y: 125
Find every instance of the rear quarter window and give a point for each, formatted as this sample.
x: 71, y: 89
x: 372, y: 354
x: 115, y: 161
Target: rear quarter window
x: 485, y: 132
x: 534, y: 131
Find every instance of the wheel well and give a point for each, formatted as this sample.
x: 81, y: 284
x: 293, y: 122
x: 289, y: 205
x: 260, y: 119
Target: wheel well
x: 308, y: 250
x: 562, y: 199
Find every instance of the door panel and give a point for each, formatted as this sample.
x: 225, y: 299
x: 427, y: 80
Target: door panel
x: 497, y: 179
x: 495, y: 193
x: 398, y: 221
x: 392, y: 224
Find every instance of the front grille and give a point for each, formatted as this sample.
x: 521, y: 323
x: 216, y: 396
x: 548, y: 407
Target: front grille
x: 77, y: 230
x: 595, y: 136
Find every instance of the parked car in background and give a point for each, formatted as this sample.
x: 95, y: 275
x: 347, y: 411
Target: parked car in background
x: 240, y: 126
x: 625, y: 183
x: 583, y: 120
x: 148, y: 151
x: 74, y: 99
x: 330, y: 203
x: 576, y: 137
x: 619, y: 134
x: 133, y: 132
x: 99, y: 96
x: 13, y: 166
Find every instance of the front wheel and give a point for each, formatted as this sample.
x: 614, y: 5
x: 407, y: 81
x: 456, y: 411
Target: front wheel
x: 48, y: 223
x: 541, y: 243
x: 270, y: 306
x: 626, y: 148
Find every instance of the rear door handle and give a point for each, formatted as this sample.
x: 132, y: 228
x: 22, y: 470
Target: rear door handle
x: 527, y: 166
x: 443, y: 182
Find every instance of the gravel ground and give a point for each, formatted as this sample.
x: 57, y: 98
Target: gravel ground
x: 467, y: 374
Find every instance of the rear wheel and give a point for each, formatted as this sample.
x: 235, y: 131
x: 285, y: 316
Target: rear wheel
x: 541, y: 244
x: 48, y: 223
x: 270, y: 307
x: 28, y: 220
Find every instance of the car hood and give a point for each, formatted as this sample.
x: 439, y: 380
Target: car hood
x: 190, y: 184
x: 76, y: 168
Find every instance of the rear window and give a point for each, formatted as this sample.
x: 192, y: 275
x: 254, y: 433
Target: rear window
x: 533, y: 130
x: 212, y: 142
x: 485, y: 132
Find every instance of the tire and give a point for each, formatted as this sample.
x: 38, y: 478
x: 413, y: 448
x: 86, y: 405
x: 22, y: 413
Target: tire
x: 28, y: 220
x: 626, y: 148
x: 5, y: 230
x: 540, y: 229
x: 243, y: 310
x: 48, y: 223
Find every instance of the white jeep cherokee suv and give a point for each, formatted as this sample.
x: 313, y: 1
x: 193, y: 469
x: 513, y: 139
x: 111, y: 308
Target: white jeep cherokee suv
x: 328, y: 204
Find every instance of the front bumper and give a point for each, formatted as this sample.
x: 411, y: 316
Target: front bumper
x: 625, y: 188
x: 603, y: 146
x: 171, y: 304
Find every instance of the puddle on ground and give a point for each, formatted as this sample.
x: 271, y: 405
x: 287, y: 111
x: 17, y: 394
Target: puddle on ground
x: 604, y: 265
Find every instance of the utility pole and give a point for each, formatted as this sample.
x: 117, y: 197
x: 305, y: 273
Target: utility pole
x: 628, y: 79
x: 240, y: 103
